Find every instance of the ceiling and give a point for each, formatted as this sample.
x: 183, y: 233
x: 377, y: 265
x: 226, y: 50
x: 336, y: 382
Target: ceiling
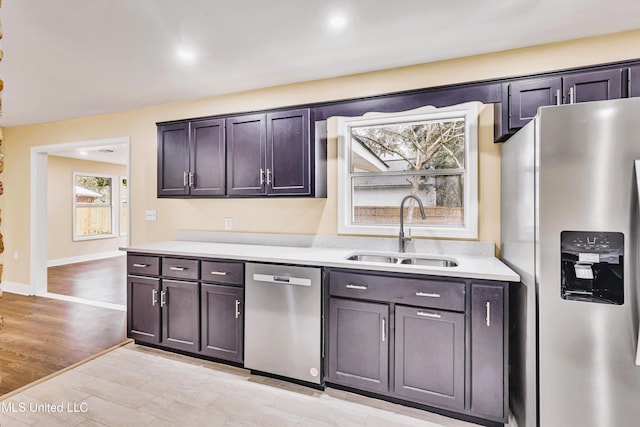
x: 74, y: 58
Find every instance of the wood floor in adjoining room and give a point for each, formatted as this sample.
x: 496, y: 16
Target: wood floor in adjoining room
x: 42, y: 336
x: 101, y: 280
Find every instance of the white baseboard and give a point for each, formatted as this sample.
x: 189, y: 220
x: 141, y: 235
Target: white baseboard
x: 83, y: 258
x: 15, y: 288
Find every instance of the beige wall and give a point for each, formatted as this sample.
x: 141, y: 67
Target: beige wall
x: 269, y: 215
x: 60, y: 244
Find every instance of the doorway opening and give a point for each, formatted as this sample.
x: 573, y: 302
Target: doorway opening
x: 63, y: 265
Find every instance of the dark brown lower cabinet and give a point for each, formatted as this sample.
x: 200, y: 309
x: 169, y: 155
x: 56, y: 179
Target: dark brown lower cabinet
x: 488, y: 356
x: 180, y: 303
x: 143, y: 309
x: 221, y: 319
x: 359, y: 351
x: 429, y: 356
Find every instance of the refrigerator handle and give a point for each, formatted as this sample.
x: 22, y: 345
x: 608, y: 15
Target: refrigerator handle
x: 638, y: 188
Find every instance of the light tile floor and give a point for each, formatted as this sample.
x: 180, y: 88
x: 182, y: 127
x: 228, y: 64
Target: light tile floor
x: 138, y: 386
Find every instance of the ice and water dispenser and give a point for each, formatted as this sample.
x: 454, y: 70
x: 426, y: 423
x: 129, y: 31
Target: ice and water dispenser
x: 592, y: 266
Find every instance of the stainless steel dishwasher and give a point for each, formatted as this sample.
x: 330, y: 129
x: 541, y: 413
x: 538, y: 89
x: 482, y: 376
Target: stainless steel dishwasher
x: 283, y: 321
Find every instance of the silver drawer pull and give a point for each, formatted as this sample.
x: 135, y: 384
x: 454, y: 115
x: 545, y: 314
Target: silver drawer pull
x: 154, y: 297
x: 427, y: 294
x: 177, y: 268
x: 237, y: 309
x: 359, y: 287
x: 140, y: 265
x: 219, y: 273
x: 488, y: 318
x: 384, y: 329
x: 163, y: 299
x: 426, y: 314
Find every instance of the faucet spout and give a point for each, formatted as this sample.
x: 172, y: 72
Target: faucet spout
x: 401, y: 239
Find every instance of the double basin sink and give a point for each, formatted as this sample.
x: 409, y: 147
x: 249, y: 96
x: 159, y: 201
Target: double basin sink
x: 403, y: 259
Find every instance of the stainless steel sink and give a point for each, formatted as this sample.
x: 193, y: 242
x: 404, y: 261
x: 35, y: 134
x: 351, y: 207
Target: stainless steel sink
x: 402, y: 259
x: 432, y: 262
x: 373, y: 258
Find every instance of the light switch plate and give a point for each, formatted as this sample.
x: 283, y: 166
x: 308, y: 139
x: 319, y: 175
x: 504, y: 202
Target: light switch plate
x: 228, y: 223
x: 150, y: 215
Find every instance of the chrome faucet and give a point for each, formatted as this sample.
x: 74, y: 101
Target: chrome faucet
x: 401, y: 239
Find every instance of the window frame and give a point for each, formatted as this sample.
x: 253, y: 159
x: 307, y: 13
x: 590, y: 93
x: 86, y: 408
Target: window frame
x: 469, y: 229
x: 114, y: 194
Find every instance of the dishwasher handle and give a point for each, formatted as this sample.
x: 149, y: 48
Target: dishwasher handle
x: 282, y: 280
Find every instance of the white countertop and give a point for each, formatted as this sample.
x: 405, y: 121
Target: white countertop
x: 478, y: 267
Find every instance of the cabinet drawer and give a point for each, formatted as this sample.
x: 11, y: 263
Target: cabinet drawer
x: 143, y: 265
x: 179, y: 268
x: 222, y: 272
x: 434, y: 293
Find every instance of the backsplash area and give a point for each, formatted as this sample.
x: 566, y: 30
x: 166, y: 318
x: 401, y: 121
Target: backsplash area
x: 386, y: 244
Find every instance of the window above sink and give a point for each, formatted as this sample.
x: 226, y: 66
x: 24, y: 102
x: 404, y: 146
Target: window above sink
x: 427, y: 152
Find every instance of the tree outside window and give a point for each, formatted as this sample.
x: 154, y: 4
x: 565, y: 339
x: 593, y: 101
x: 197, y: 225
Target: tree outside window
x: 428, y: 153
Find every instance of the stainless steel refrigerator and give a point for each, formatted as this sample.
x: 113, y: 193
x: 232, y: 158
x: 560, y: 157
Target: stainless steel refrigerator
x: 570, y: 227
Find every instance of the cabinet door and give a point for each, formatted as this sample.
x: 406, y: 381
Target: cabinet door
x: 246, y: 155
x: 221, y: 320
x: 526, y: 96
x: 173, y: 159
x: 593, y: 86
x: 143, y: 309
x: 634, y: 81
x: 429, y: 356
x: 207, y: 158
x: 359, y: 344
x: 488, y: 376
x: 288, y: 154
x: 180, y: 307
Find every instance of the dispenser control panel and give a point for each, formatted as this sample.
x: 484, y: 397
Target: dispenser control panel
x: 592, y: 264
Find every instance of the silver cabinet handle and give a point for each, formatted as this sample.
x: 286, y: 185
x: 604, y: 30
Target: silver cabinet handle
x: 177, y: 268
x: 384, y: 329
x: 558, y: 98
x: 140, y: 265
x: 571, y: 96
x: 154, y: 297
x: 488, y: 318
x: 359, y: 287
x: 427, y: 314
x: 219, y: 273
x: 261, y: 177
x: 268, y: 177
x: 427, y: 294
x: 191, y: 176
x: 185, y: 179
x: 163, y: 299
x: 237, y: 309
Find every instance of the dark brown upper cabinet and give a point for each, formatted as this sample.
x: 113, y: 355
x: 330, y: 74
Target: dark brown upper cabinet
x: 191, y: 158
x: 266, y: 154
x: 634, y: 80
x: 246, y: 148
x: 522, y: 98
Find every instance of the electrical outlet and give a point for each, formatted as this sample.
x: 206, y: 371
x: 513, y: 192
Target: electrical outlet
x: 150, y: 216
x: 228, y: 223
x: 15, y: 255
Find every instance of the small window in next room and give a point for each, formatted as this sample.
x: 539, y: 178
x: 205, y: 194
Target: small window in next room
x: 93, y: 207
x: 430, y: 153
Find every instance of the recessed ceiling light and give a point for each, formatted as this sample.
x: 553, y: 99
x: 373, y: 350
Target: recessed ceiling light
x: 337, y: 21
x: 186, y: 54
x: 83, y: 153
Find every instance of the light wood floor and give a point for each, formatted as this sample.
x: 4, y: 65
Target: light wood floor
x: 102, y: 280
x: 43, y: 335
x: 136, y: 386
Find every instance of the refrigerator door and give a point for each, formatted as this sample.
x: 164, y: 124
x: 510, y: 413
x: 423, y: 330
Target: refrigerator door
x: 586, y: 182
